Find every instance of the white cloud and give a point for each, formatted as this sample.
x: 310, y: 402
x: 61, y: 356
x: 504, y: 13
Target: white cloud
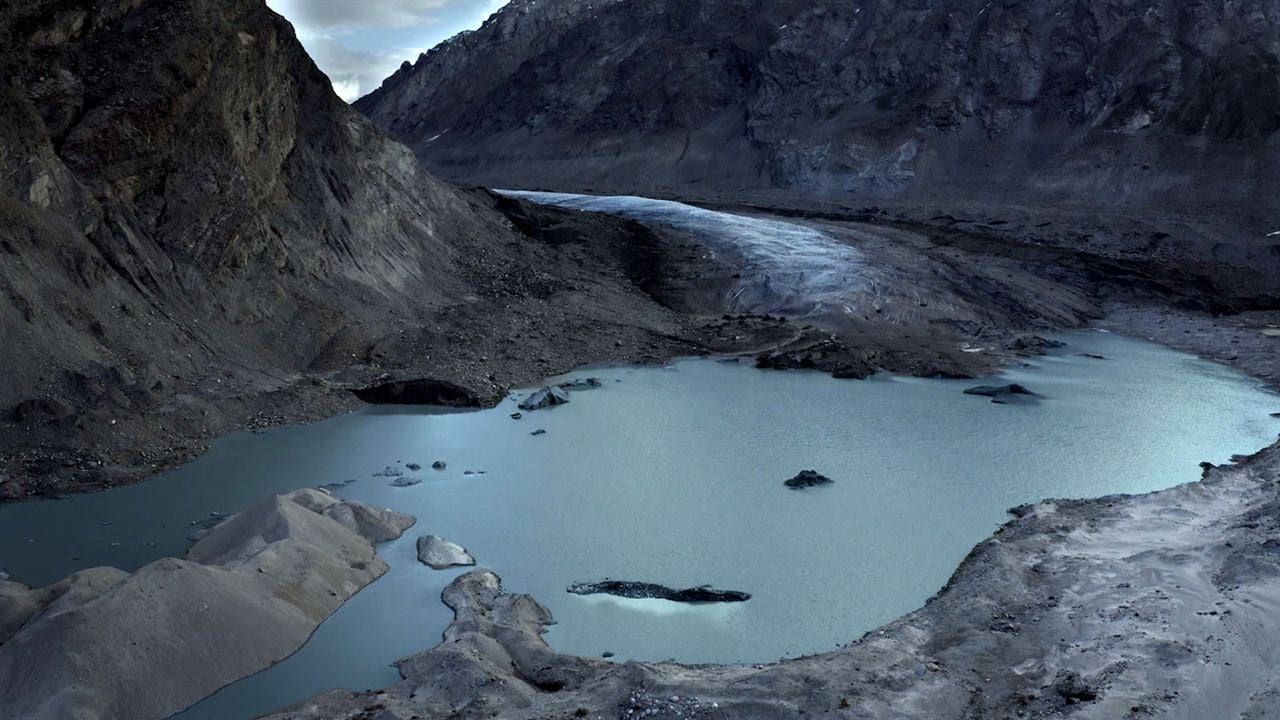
x: 358, y: 43
x: 335, y: 16
x: 353, y: 72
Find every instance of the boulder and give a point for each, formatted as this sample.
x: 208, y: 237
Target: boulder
x: 581, y: 384
x: 1001, y: 394
x: 632, y: 589
x: 41, y: 410
x: 439, y: 465
x: 440, y: 553
x: 807, y: 478
x: 1032, y: 345
x: 546, y: 397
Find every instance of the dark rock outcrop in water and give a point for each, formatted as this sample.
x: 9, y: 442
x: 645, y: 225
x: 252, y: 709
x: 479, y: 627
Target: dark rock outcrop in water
x: 1001, y: 394
x: 807, y: 478
x: 549, y: 396
x: 631, y: 589
x: 1102, y: 100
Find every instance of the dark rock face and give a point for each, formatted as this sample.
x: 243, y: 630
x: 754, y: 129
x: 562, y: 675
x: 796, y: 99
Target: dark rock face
x: 419, y: 392
x: 1103, y: 99
x: 549, y: 396
x: 630, y: 589
x: 186, y: 206
x: 41, y: 410
x: 1032, y: 345
x: 808, y: 478
x: 1001, y: 394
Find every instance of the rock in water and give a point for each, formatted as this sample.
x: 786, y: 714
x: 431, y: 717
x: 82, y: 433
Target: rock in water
x: 631, y: 589
x: 439, y: 465
x: 581, y: 384
x: 548, y: 396
x: 1001, y: 394
x: 808, y: 478
x: 405, y: 482
x: 440, y: 553
x: 1032, y: 345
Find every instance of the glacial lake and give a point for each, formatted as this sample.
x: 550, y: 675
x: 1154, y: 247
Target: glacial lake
x: 675, y: 475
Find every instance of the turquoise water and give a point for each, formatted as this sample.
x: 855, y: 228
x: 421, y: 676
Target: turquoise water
x: 675, y: 476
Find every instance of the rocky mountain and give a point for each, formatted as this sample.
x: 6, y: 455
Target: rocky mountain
x: 196, y: 233
x: 1066, y: 101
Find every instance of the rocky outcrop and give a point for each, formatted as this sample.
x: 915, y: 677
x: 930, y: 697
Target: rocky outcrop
x: 441, y: 554
x: 1107, y: 100
x: 106, y: 644
x: 1149, y: 592
x: 1002, y: 394
x: 633, y: 589
x: 807, y: 478
x: 549, y: 396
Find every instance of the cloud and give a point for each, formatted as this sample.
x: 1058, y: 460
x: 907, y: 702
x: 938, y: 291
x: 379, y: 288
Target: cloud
x: 336, y: 16
x: 358, y: 43
x: 353, y: 72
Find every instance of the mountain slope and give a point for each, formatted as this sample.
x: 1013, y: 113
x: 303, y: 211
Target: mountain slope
x: 195, y: 232
x: 1085, y: 101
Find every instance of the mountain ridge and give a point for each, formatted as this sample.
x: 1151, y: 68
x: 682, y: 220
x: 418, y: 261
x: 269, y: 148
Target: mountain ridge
x: 1063, y: 101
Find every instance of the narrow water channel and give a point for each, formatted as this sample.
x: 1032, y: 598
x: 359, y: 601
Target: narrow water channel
x: 675, y: 475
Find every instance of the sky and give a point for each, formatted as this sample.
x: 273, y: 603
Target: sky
x: 358, y: 43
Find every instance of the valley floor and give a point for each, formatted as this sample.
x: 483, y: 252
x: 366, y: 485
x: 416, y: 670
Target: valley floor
x: 1104, y: 608
x: 958, y: 288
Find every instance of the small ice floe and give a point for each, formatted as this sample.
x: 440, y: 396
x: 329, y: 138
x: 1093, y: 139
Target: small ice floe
x: 972, y: 349
x: 1273, y: 233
